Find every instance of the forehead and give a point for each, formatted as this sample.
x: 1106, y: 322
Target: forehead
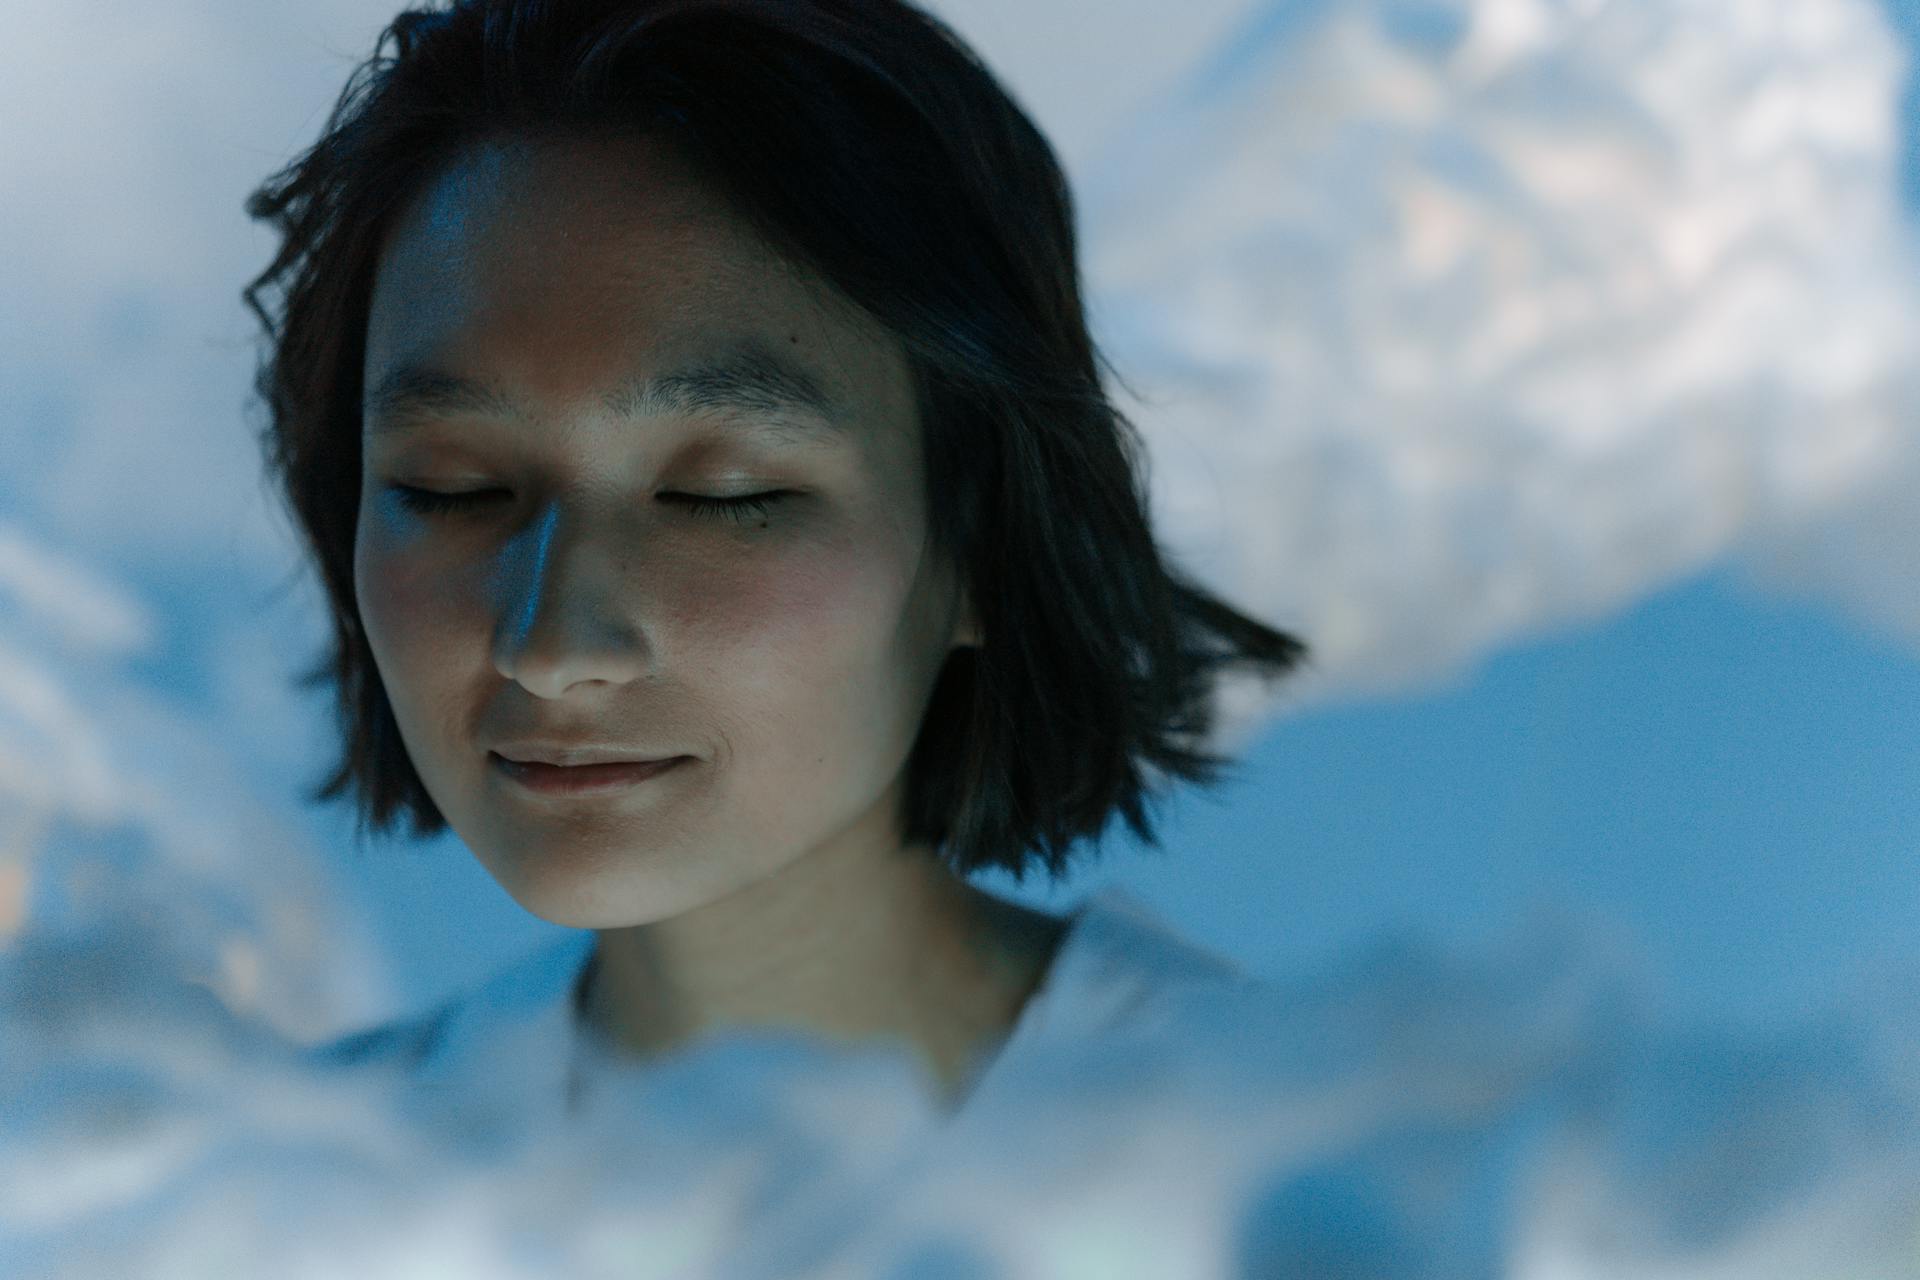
x: 568, y: 267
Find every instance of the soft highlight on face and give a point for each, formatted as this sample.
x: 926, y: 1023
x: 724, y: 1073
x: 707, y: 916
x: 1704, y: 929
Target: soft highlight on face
x: 582, y: 593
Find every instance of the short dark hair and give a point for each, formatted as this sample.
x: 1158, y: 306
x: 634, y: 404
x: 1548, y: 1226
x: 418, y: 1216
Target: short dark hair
x: 862, y: 139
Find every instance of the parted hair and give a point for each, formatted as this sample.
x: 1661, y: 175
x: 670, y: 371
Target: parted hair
x: 863, y: 140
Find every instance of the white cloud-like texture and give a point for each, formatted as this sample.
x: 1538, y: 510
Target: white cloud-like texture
x: 1408, y: 1112
x: 1457, y: 321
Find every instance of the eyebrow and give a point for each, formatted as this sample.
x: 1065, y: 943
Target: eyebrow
x: 748, y: 376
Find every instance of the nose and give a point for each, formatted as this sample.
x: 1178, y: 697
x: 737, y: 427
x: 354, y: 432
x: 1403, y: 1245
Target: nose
x: 566, y: 615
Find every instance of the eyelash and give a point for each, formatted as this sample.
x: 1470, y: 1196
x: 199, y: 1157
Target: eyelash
x: 741, y: 509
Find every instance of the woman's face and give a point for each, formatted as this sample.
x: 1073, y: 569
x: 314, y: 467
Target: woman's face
x: 789, y: 651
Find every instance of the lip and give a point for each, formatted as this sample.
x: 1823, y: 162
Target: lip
x: 581, y: 779
x: 575, y: 753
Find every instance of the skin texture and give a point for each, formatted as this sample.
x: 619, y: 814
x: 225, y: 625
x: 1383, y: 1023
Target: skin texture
x: 790, y: 654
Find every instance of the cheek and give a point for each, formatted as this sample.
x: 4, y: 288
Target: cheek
x: 406, y: 606
x: 818, y: 626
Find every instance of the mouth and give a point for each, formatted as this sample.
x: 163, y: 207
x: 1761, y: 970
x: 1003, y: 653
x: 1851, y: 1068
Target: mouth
x: 581, y: 779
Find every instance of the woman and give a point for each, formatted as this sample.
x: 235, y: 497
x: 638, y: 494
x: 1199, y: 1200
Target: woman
x: 690, y: 408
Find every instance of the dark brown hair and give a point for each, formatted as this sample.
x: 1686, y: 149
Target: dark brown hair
x: 865, y: 141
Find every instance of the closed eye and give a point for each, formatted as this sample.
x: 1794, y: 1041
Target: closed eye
x: 747, y: 507
x: 738, y: 509
x: 431, y: 503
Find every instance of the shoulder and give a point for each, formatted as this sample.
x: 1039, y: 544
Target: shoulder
x: 532, y: 990
x: 1129, y: 971
x: 401, y: 1044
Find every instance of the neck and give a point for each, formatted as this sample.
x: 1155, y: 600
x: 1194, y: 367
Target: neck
x: 894, y: 951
